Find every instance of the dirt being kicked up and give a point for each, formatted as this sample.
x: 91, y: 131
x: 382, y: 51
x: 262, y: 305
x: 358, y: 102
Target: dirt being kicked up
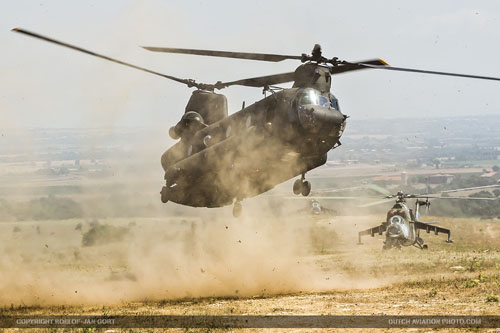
x: 190, y: 266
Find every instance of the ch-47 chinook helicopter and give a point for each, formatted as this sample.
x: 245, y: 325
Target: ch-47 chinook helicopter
x: 402, y: 226
x: 221, y: 159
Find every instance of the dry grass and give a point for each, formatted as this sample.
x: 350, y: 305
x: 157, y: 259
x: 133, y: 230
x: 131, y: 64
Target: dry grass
x: 462, y: 278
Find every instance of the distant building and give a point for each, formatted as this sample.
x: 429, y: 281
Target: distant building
x: 387, y: 180
x: 404, y: 178
x: 491, y: 174
x: 440, y: 178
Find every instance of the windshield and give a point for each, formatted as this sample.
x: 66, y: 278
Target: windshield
x: 308, y: 96
x: 334, y: 103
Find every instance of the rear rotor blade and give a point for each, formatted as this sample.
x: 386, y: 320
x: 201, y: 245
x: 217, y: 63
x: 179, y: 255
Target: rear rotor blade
x: 412, y: 70
x: 260, y: 81
x: 189, y: 83
x: 225, y: 54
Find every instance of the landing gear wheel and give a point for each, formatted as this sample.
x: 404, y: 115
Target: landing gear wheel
x: 237, y: 209
x: 425, y: 247
x: 297, y: 187
x: 163, y: 193
x: 306, y: 188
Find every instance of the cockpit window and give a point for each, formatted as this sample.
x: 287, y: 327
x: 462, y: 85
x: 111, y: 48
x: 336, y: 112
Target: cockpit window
x: 334, y: 103
x: 323, y: 101
x: 309, y: 96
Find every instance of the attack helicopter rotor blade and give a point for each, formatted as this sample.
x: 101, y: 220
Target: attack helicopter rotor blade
x: 378, y: 189
x: 259, y: 81
x: 470, y: 188
x: 189, y: 83
x: 461, y: 198
x: 225, y: 54
x: 328, y: 198
x: 380, y: 202
x: 413, y: 70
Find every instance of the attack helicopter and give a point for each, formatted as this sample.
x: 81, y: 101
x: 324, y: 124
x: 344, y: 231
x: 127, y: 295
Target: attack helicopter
x: 315, y: 208
x: 221, y: 159
x: 403, y: 225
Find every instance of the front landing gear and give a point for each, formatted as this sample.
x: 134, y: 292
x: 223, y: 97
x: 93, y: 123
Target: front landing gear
x: 420, y: 244
x: 302, y: 186
x: 237, y: 208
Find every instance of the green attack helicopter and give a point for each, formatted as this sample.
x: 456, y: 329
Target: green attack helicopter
x: 403, y: 225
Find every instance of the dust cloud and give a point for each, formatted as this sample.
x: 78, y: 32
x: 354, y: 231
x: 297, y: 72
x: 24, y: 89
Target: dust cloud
x: 187, y: 253
x: 44, y: 263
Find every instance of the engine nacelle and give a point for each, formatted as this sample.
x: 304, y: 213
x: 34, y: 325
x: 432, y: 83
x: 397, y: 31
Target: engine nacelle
x: 173, y: 134
x: 210, y: 106
x: 190, y: 123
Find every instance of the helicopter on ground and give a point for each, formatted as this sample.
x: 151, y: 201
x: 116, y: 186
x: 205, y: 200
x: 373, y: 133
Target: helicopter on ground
x: 222, y: 159
x: 315, y: 208
x: 403, y: 225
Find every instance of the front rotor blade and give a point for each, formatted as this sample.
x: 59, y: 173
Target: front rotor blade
x: 224, y: 54
x: 412, y: 70
x: 260, y: 81
x: 47, y: 39
x: 346, y: 66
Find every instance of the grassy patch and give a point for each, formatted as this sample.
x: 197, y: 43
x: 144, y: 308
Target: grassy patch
x: 104, y: 234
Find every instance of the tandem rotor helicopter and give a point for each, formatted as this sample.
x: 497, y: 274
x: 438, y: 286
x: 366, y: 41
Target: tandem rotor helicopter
x: 221, y: 159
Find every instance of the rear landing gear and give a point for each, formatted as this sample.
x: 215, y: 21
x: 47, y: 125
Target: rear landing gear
x: 302, y: 186
x: 163, y: 193
x: 237, y: 208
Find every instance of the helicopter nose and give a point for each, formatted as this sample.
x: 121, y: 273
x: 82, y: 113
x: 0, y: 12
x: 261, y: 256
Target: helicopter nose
x: 394, y: 230
x: 315, y: 118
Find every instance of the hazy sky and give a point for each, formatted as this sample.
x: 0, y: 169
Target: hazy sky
x: 43, y: 85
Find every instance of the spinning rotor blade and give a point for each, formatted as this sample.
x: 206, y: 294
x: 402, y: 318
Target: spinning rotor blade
x: 260, y: 81
x: 378, y: 189
x: 462, y: 198
x: 323, y: 198
x: 225, y: 54
x: 345, y: 66
x: 380, y: 202
x: 412, y: 70
x: 189, y: 83
x: 470, y: 188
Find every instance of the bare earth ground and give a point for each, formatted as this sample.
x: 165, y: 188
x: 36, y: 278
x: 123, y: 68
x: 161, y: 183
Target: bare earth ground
x: 256, y: 266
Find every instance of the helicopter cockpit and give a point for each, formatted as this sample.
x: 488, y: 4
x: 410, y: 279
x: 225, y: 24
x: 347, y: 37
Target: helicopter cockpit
x: 317, y: 113
x: 397, y: 210
x: 309, y: 96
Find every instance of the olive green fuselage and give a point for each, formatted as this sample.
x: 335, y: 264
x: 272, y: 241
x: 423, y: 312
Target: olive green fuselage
x: 249, y: 152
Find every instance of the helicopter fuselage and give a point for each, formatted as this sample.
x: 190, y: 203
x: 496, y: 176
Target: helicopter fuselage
x: 277, y: 138
x: 402, y: 226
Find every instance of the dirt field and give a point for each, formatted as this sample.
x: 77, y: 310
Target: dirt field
x: 256, y: 266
